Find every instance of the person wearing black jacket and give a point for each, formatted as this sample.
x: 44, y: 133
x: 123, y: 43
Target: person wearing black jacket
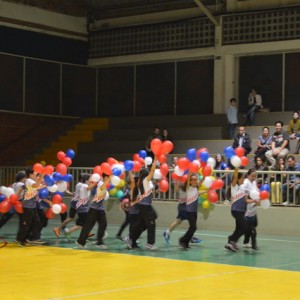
x: 243, y: 140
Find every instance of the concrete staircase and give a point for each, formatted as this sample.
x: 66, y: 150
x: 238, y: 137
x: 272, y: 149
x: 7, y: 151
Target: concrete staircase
x: 83, y: 132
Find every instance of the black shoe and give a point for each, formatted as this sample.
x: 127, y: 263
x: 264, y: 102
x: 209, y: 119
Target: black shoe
x: 255, y: 248
x: 183, y: 245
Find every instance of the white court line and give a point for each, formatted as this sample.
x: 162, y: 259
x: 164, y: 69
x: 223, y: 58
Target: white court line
x: 151, y: 285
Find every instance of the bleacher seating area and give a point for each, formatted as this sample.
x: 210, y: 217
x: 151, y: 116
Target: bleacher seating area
x: 25, y: 136
x: 22, y: 135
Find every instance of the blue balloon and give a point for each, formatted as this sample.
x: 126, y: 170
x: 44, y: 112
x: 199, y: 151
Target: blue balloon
x: 142, y: 154
x: 204, y: 156
x: 43, y: 193
x: 191, y: 154
x: 2, y: 198
x: 229, y: 152
x: 70, y: 153
x: 57, y: 176
x: 68, y: 177
x: 128, y: 165
x: 265, y: 187
x: 116, y: 171
x: 49, y: 180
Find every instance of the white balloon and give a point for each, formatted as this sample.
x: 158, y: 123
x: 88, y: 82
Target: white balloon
x: 95, y: 177
x: 235, y: 161
x: 212, y: 162
x: 3, y: 190
x: 9, y: 191
x: 115, y: 180
x: 157, y: 174
x: 178, y: 171
x: 254, y: 195
x: 62, y: 186
x: 265, y: 204
x: 148, y: 160
x: 53, y: 188
x: 119, y: 166
x: 56, y: 208
x: 207, y: 182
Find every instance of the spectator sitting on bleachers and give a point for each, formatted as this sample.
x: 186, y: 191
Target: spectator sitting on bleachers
x: 292, y: 182
x: 279, y: 145
x: 294, y: 130
x: 263, y: 143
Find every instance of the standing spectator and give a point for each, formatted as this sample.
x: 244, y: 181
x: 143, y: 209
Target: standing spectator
x: 243, y: 140
x: 221, y: 165
x: 232, y: 117
x: 254, y: 105
x: 279, y: 145
x: 292, y: 182
x: 154, y: 135
x: 260, y: 166
x: 263, y: 143
x: 294, y: 130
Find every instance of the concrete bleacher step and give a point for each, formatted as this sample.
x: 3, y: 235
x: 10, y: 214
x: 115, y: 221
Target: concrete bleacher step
x: 82, y: 132
x: 176, y: 133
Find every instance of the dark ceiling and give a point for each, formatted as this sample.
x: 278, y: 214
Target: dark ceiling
x: 105, y: 9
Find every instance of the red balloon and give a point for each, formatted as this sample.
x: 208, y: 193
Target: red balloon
x: 167, y: 147
x: 183, y: 163
x: 164, y: 169
x: 212, y: 196
x: 97, y: 170
x: 38, y: 168
x: 56, y: 199
x: 19, y: 207
x: 239, y: 151
x: 135, y: 156
x: 194, y: 167
x: 61, y: 155
x: 111, y: 161
x: 217, y: 184
x: 244, y: 161
x: 156, y: 146
x: 49, y: 213
x: 49, y: 169
x: 13, y: 198
x: 162, y: 158
x: 263, y: 195
x: 163, y: 185
x: 136, y: 166
x: 141, y: 160
x: 64, y: 207
x: 175, y: 177
x: 67, y: 161
x: 106, y: 168
x: 5, y: 206
x: 207, y: 170
x: 61, y: 168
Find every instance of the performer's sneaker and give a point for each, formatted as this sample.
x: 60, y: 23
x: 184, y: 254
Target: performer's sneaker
x: 56, y: 231
x: 195, y: 240
x: 166, y: 236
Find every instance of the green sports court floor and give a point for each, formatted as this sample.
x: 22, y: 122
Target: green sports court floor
x: 207, y: 271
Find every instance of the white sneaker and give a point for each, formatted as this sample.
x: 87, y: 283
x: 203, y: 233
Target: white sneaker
x: 151, y: 247
x: 105, y: 235
x: 286, y: 203
x: 102, y: 247
x: 247, y: 245
x: 79, y: 246
x: 127, y: 240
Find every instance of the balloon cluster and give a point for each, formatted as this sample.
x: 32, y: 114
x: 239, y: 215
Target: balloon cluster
x: 236, y: 156
x: 56, y: 182
x: 262, y: 196
x: 9, y: 201
x: 199, y: 161
x: 114, y: 169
